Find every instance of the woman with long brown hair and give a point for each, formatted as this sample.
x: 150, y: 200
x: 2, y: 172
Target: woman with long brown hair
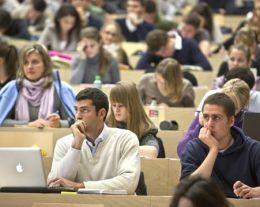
x: 128, y: 113
x: 93, y: 60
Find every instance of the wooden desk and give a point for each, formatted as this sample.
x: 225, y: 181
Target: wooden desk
x: 205, y: 78
x: 200, y: 91
x: 170, y: 141
x: 131, y: 75
x: 27, y: 199
x: 161, y: 175
x: 182, y: 115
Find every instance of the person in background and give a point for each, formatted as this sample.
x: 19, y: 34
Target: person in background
x: 11, y: 27
x: 128, y: 113
x: 245, y: 36
x: 207, y: 21
x: 198, y: 192
x: 8, y: 63
x: 111, y: 39
x: 90, y: 15
x: 133, y: 26
x: 93, y: 60
x: 63, y: 33
x: 37, y: 98
x: 153, y: 17
x: 95, y: 156
x: 160, y: 45
x: 221, y: 148
x: 237, y: 90
x: 239, y: 56
x: 190, y: 28
x: 34, y: 13
x: 167, y: 86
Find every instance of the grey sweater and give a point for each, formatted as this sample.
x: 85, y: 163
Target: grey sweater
x: 148, y: 90
x: 85, y: 70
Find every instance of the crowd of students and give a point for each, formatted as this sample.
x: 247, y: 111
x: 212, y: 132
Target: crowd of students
x: 100, y: 152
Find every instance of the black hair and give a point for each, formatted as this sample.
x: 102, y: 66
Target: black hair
x: 68, y: 10
x: 99, y: 98
x: 201, y: 192
x: 5, y: 19
x: 39, y: 5
x: 244, y: 74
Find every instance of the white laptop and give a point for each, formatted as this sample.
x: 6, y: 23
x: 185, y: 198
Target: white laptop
x: 22, y: 170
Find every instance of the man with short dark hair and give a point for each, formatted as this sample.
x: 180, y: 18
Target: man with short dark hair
x: 95, y: 156
x: 190, y: 28
x: 223, y: 152
x: 160, y: 45
x: 134, y: 27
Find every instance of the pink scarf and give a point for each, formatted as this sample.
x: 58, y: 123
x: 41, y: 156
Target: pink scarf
x: 33, y: 93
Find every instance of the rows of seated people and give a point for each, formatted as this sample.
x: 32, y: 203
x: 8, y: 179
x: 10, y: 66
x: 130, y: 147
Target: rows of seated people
x: 89, y: 37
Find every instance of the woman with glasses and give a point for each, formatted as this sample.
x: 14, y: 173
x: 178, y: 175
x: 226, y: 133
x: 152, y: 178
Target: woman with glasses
x: 37, y: 98
x: 167, y: 86
x: 111, y: 38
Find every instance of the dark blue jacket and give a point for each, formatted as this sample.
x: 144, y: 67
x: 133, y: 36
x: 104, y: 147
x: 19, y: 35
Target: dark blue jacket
x: 139, y: 34
x: 190, y: 54
x: 94, y: 22
x: 241, y: 161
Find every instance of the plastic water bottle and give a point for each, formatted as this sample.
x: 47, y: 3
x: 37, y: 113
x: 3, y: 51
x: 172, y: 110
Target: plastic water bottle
x: 154, y: 112
x: 97, y: 83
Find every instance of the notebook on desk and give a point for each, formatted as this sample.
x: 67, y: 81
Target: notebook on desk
x: 22, y: 170
x: 251, y: 125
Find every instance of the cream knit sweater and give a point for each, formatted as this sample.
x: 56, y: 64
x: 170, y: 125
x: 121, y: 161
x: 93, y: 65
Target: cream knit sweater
x: 115, y: 165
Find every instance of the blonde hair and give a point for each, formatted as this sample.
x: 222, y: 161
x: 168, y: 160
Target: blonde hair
x: 171, y: 72
x: 119, y: 35
x: 237, y: 90
x: 43, y: 52
x: 137, y: 121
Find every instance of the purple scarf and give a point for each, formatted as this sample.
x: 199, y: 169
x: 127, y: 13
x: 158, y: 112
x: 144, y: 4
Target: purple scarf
x: 37, y: 96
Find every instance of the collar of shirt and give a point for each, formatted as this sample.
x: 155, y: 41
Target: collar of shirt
x: 101, y: 137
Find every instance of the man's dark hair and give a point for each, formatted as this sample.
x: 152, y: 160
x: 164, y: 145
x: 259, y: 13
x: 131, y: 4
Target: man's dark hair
x: 150, y: 7
x: 142, y: 2
x: 99, y: 98
x: 221, y: 99
x: 192, y: 19
x: 5, y: 19
x: 39, y: 5
x: 156, y: 39
x: 244, y: 74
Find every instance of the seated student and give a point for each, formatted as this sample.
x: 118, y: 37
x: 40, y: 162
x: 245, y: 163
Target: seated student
x: 90, y: 15
x: 63, y: 33
x: 128, y: 113
x: 208, y: 22
x: 190, y: 28
x: 8, y: 63
x: 11, y: 27
x: 37, y: 98
x: 34, y: 13
x: 111, y: 38
x: 237, y: 90
x: 95, y: 156
x: 133, y: 26
x: 167, y: 86
x: 198, y: 192
x: 94, y: 60
x: 246, y: 37
x: 239, y: 56
x: 222, y: 151
x: 161, y: 45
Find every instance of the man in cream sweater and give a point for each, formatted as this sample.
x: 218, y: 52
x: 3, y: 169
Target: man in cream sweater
x: 95, y: 156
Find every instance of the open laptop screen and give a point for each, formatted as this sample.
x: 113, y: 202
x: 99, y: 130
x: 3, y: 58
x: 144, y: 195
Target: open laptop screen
x: 251, y: 125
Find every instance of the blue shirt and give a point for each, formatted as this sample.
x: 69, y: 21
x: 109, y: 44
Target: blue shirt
x: 101, y: 137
